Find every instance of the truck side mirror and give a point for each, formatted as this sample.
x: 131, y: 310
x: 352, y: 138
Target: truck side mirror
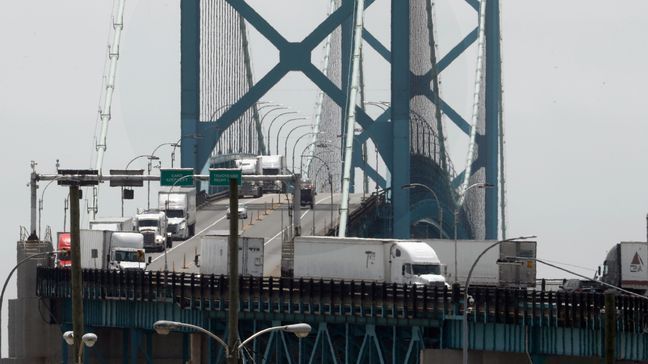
x: 403, y: 270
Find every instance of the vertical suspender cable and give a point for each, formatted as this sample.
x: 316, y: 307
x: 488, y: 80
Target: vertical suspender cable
x: 350, y: 112
x: 113, y: 55
x: 502, y: 150
x: 320, y: 97
x: 475, y: 113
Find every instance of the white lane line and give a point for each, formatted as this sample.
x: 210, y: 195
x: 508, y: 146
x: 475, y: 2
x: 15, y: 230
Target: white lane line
x: 195, y: 235
x: 301, y: 218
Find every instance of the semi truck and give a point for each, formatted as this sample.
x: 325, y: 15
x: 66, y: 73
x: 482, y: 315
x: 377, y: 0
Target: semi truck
x: 63, y: 246
x: 272, y: 165
x: 112, y: 223
x: 307, y: 195
x: 487, y: 272
x: 364, y: 259
x: 179, y: 205
x: 625, y: 266
x: 153, y: 226
x: 105, y: 249
x: 214, y: 254
x: 249, y: 188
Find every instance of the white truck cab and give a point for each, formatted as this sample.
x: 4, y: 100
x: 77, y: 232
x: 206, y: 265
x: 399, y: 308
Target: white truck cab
x: 153, y: 226
x: 127, y: 251
x: 415, y: 263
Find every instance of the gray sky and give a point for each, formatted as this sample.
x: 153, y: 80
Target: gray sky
x: 574, y: 77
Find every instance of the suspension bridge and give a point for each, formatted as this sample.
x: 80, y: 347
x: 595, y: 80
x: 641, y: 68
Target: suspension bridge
x: 390, y: 144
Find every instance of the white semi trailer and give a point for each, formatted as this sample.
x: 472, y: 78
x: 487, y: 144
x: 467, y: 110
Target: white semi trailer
x: 487, y: 272
x: 214, y: 251
x: 383, y: 260
x: 112, y: 223
x: 105, y: 249
x: 179, y: 205
x: 625, y: 266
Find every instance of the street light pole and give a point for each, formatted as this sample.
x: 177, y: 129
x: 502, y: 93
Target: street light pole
x: 128, y: 165
x: 295, y: 146
x: 4, y: 287
x: 40, y: 206
x: 440, y: 213
x: 465, y: 302
x: 232, y: 322
x: 456, y: 214
x: 281, y: 128
x: 163, y: 327
x: 272, y: 122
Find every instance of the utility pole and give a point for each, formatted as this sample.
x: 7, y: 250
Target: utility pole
x: 75, y: 250
x: 232, y: 322
x: 610, y: 328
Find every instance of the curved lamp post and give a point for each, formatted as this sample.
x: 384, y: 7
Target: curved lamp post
x: 440, y: 214
x: 279, y: 132
x: 330, y: 184
x: 301, y: 160
x: 4, y: 287
x: 163, y: 327
x: 88, y: 339
x: 456, y: 214
x: 465, y: 311
x: 40, y: 205
x: 177, y: 144
x: 150, y: 157
x: 272, y: 122
x: 288, y: 138
x: 297, y: 142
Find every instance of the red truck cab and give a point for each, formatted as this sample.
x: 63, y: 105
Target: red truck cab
x: 63, y: 257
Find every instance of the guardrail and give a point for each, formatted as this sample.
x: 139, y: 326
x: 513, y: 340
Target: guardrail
x: 375, y: 300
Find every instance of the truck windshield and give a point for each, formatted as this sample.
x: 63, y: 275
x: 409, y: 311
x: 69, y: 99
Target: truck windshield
x: 421, y: 269
x: 149, y: 222
x: 174, y: 213
x: 64, y: 255
x: 128, y: 256
x: 270, y: 171
x: 306, y: 194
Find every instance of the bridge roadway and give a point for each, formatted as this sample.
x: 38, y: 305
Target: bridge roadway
x: 264, y: 220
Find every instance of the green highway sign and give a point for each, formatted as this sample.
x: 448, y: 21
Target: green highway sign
x: 221, y: 177
x: 171, y: 177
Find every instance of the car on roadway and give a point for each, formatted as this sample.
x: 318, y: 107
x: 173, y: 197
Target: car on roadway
x: 581, y: 285
x: 242, y: 212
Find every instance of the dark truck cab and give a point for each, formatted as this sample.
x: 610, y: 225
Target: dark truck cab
x: 307, y: 195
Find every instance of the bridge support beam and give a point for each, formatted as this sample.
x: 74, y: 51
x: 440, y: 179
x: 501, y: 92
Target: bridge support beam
x: 189, y: 82
x: 493, y: 105
x: 400, y: 114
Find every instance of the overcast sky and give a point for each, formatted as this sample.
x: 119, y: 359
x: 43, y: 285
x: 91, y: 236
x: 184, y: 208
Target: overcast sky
x: 574, y: 105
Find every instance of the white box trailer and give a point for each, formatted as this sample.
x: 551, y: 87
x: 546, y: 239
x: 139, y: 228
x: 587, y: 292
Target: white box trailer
x: 112, y: 223
x: 94, y: 248
x: 382, y: 260
x: 214, y: 255
x: 487, y: 272
x: 625, y: 266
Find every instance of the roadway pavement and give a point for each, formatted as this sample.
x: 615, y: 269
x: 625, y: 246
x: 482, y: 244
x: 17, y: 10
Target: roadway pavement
x: 267, y: 216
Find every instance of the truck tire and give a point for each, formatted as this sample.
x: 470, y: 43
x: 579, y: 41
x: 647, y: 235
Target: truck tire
x: 169, y: 244
x: 192, y: 230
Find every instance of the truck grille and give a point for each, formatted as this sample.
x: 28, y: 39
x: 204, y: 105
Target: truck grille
x: 149, y: 238
x: 172, y: 229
